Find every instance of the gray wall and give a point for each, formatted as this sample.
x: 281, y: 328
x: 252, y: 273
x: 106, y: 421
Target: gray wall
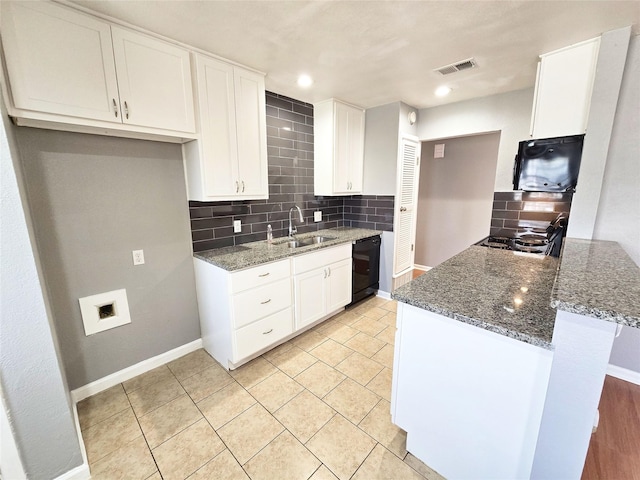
x: 507, y: 113
x: 381, y: 149
x: 33, y: 386
x: 455, y: 196
x: 95, y: 199
x: 384, y: 125
x: 618, y: 216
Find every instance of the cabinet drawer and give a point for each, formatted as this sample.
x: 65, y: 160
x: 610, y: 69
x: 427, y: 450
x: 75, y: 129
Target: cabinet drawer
x: 321, y: 258
x: 260, y: 302
x: 258, y: 276
x: 261, y: 334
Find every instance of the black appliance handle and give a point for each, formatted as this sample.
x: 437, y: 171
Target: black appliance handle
x: 516, y: 171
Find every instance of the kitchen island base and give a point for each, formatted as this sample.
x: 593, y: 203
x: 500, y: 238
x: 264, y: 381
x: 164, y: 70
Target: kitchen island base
x: 477, y: 404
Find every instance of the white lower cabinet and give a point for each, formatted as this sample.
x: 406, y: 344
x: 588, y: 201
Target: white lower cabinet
x: 244, y: 313
x: 322, y: 283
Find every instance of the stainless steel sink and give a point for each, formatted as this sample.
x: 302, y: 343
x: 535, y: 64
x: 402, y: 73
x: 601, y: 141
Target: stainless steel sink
x: 321, y: 239
x: 305, y: 242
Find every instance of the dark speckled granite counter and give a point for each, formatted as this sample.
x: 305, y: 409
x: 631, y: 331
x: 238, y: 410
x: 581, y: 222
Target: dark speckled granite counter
x: 598, y: 279
x: 516, y: 294
x: 498, y: 290
x: 257, y: 253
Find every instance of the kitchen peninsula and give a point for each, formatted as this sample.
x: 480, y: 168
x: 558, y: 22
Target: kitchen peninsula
x: 500, y: 357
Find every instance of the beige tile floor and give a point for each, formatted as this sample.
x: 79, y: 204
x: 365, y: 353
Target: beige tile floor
x: 316, y: 407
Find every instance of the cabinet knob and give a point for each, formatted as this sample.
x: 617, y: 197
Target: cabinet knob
x: 329, y: 269
x: 237, y: 187
x: 126, y: 110
x: 243, y: 186
x: 115, y: 107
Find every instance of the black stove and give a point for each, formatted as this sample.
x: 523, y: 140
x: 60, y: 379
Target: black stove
x: 529, y: 243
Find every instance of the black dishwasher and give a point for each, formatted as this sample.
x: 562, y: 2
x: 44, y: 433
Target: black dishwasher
x: 365, y: 268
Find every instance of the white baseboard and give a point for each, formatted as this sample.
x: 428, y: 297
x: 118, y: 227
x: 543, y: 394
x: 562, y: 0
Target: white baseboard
x: 133, y: 371
x: 383, y: 294
x: 424, y: 268
x: 78, y: 473
x: 624, y: 374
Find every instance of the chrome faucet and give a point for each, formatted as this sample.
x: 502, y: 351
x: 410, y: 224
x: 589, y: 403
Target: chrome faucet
x: 292, y: 229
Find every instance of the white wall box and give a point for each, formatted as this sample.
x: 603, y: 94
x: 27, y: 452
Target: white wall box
x: 229, y: 161
x: 322, y: 283
x: 563, y: 90
x: 104, y: 311
x: 94, y: 78
x: 338, y: 148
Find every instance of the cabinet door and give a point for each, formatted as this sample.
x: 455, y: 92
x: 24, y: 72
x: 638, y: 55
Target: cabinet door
x: 59, y: 61
x: 154, y: 79
x: 356, y: 150
x: 310, y: 296
x: 338, y: 285
x: 218, y: 123
x: 563, y: 90
x: 252, y: 134
x: 342, y: 149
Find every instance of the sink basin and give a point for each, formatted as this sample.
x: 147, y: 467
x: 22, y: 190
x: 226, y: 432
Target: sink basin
x: 320, y: 239
x: 305, y: 242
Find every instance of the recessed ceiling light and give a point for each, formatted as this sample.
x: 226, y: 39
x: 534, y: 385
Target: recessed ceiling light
x: 443, y: 91
x: 305, y: 81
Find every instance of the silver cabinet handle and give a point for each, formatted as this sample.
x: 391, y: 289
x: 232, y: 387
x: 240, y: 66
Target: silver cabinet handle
x: 264, y: 274
x: 243, y: 186
x: 237, y: 187
x: 329, y: 268
x: 325, y: 273
x: 115, y: 107
x: 126, y: 110
x: 268, y: 332
x: 265, y: 302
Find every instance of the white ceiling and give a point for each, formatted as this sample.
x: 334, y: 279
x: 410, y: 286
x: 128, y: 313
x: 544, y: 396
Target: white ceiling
x: 375, y: 52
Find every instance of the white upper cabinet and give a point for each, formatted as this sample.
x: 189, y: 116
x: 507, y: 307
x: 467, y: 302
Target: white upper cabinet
x: 59, y: 61
x: 154, y: 80
x: 229, y: 161
x: 338, y: 148
x: 563, y: 90
x: 71, y: 68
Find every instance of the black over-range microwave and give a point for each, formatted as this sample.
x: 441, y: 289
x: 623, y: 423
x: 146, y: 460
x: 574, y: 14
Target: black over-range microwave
x: 548, y: 164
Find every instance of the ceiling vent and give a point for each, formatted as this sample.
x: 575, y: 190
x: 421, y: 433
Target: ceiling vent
x: 457, y: 67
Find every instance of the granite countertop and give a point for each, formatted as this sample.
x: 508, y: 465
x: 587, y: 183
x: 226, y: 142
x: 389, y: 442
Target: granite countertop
x: 257, y: 253
x: 598, y: 279
x: 517, y: 295
x: 498, y: 290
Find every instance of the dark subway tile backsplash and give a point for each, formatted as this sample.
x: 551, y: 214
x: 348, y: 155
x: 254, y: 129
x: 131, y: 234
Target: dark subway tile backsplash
x: 517, y: 212
x: 290, y: 168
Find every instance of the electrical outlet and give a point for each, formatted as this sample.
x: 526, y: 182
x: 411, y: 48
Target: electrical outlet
x: 237, y: 226
x: 317, y: 216
x: 138, y: 257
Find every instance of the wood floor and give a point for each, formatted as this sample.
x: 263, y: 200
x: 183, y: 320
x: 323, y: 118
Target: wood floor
x: 614, y: 451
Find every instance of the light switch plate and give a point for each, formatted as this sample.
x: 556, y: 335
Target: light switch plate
x: 237, y: 226
x: 317, y: 216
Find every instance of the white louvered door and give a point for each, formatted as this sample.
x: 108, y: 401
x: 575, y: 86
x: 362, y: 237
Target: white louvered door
x: 406, y: 202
